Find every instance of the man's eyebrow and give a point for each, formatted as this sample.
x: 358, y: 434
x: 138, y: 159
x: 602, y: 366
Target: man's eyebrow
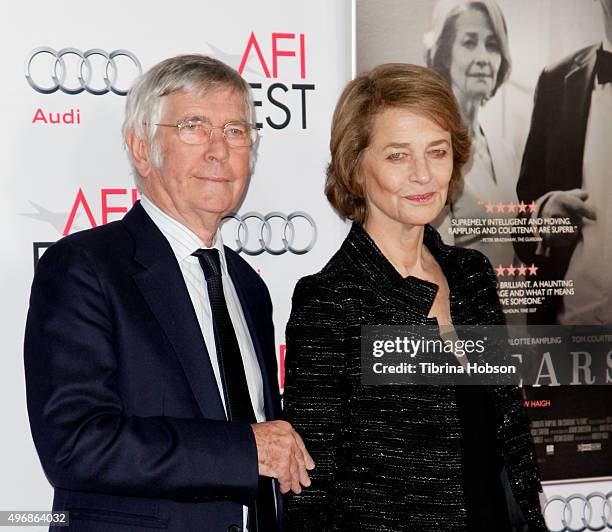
x: 204, y: 118
x: 196, y: 116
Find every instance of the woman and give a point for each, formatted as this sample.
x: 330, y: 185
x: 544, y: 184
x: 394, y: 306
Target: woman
x: 468, y: 46
x: 399, y: 457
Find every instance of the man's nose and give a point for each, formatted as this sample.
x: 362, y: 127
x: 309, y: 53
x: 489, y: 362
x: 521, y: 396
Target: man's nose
x: 217, y: 148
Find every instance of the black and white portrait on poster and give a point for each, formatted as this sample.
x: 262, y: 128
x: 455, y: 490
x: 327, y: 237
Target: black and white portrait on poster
x: 533, y: 80
x: 492, y: 54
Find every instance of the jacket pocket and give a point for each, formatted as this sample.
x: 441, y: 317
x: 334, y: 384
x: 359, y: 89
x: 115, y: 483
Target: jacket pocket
x: 118, y: 518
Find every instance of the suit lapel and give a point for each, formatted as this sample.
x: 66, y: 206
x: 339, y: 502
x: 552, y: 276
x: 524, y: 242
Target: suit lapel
x: 162, y: 285
x: 576, y: 105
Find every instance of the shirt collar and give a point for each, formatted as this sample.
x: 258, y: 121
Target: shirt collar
x: 182, y: 240
x: 606, y: 45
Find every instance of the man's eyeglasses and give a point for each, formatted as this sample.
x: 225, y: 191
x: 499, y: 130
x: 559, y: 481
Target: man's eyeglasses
x: 236, y: 134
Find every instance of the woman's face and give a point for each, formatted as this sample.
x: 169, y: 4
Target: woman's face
x: 475, y: 56
x: 406, y: 169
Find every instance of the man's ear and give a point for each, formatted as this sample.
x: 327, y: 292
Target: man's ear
x: 139, y: 149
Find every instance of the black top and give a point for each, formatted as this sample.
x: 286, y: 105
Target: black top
x: 399, y: 457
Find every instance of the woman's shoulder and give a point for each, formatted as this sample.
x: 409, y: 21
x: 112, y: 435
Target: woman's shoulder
x: 322, y: 284
x: 472, y: 258
x: 325, y: 292
x: 474, y: 267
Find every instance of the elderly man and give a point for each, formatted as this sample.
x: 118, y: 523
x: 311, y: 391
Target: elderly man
x: 149, y: 349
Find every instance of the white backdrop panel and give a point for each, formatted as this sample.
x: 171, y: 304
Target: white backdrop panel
x: 44, y: 164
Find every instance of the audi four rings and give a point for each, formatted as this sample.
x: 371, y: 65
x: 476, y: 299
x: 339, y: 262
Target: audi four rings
x: 259, y: 225
x: 56, y: 78
x: 578, y: 513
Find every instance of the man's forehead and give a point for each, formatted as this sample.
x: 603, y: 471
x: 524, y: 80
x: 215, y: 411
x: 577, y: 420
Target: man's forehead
x: 218, y: 102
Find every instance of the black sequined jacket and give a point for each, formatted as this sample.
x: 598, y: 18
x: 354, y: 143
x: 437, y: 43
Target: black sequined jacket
x: 389, y: 457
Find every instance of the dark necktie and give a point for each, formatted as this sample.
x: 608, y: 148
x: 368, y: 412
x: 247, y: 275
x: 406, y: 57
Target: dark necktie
x: 603, y: 66
x: 262, y: 515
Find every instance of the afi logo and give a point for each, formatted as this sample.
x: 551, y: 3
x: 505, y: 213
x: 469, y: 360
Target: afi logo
x: 287, y: 100
x: 253, y: 46
x: 81, y: 204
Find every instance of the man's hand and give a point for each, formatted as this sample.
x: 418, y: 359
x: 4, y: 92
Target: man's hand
x: 281, y: 454
x: 567, y: 204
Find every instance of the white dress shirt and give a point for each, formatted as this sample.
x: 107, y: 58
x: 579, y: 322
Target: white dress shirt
x: 184, y: 242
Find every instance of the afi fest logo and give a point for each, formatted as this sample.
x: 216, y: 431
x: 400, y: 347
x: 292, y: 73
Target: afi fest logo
x: 110, y: 203
x: 282, y: 102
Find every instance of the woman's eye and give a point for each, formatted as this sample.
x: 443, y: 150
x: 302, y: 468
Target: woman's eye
x: 492, y: 45
x: 397, y: 156
x: 469, y: 43
x: 438, y: 154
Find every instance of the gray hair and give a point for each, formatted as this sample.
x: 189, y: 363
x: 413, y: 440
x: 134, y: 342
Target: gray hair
x: 144, y: 102
x: 439, y: 40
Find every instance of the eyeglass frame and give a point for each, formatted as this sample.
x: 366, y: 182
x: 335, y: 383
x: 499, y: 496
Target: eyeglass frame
x: 181, y: 124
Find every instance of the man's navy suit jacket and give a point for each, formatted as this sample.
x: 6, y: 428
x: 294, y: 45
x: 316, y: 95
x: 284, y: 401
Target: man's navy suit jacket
x: 124, y: 407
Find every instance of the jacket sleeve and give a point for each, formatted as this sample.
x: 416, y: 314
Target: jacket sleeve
x: 85, y: 438
x: 513, y: 433
x: 315, y: 389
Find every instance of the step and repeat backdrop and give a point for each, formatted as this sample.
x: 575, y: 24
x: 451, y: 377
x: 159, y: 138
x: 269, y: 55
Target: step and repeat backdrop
x: 64, y: 169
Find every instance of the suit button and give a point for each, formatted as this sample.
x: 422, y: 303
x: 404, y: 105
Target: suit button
x: 234, y: 528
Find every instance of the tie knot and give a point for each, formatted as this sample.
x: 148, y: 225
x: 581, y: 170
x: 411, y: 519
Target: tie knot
x: 209, y: 261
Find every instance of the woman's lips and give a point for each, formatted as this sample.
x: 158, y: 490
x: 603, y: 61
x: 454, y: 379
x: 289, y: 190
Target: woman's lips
x: 420, y: 198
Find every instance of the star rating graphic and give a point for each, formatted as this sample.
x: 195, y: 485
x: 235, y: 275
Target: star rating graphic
x: 510, y: 208
x: 512, y: 270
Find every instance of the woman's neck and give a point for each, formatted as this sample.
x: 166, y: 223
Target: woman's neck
x: 469, y: 111
x: 469, y: 108
x: 402, y: 245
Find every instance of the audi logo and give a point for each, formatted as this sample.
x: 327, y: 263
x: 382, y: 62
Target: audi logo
x: 277, y: 233
x: 55, y: 76
x: 577, y: 512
